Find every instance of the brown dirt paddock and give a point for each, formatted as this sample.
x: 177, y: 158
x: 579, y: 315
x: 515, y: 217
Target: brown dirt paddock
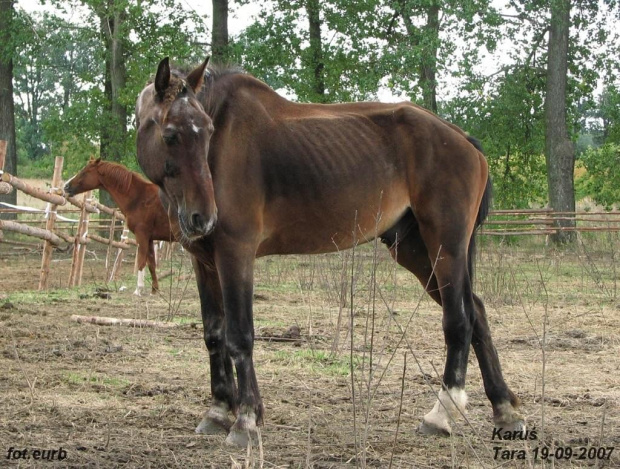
x: 131, y: 397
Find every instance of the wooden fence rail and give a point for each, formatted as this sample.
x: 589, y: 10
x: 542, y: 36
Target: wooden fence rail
x: 542, y: 222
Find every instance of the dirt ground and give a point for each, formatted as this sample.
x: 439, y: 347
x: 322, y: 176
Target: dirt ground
x: 106, y: 397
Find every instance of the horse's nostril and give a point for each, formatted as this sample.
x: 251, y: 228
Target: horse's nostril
x: 198, y: 221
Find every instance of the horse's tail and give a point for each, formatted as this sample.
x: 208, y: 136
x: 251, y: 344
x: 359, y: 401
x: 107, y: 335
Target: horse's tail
x: 483, y: 211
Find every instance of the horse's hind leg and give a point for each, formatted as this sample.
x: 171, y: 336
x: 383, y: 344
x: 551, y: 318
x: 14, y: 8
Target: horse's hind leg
x: 223, y: 388
x: 503, y: 400
x: 409, y: 250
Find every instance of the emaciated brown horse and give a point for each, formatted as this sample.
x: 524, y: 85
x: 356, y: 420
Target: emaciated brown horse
x: 250, y: 174
x: 138, y: 200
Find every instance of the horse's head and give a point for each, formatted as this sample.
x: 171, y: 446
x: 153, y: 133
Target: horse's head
x: 173, y: 143
x: 87, y: 179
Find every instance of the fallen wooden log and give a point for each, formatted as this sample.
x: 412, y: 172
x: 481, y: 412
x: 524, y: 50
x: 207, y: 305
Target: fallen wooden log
x: 106, y: 321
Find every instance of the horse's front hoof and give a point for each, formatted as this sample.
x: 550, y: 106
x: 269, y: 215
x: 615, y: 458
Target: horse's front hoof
x: 137, y: 292
x: 434, y: 428
x: 214, y: 422
x: 211, y: 427
x: 244, y: 431
x: 241, y: 438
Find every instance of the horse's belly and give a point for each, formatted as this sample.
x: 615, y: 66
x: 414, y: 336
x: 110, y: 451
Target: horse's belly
x: 315, y: 227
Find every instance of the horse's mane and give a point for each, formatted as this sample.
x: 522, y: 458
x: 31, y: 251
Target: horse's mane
x: 117, y: 176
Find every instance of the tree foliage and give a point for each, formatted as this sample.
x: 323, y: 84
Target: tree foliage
x: 61, y: 74
x: 442, y: 54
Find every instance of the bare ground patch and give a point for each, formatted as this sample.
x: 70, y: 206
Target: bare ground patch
x: 130, y: 397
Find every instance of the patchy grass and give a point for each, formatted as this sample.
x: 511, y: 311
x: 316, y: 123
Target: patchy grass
x: 131, y: 397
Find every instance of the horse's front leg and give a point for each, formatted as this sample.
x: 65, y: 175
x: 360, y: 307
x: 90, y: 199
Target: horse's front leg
x: 143, y: 249
x: 223, y: 389
x: 235, y: 265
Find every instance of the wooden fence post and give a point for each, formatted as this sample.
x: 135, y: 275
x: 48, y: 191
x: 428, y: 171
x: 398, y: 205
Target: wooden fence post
x: 82, y: 254
x: 49, y: 226
x: 109, y: 250
x: 78, y: 253
x: 119, y: 256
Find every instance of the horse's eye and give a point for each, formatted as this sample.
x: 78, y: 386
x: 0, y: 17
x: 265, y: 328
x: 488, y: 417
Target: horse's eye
x: 184, y: 90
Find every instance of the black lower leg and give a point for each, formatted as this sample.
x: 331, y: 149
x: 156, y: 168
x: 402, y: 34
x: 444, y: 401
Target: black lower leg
x: 495, y: 386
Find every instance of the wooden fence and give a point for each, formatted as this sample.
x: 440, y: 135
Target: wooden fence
x: 499, y: 223
x: 543, y: 222
x: 51, y: 235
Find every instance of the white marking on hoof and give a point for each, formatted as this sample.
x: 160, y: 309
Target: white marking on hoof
x: 449, y: 406
x: 215, y: 421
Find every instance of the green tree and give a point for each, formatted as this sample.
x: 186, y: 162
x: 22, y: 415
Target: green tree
x: 7, y: 119
x: 63, y: 70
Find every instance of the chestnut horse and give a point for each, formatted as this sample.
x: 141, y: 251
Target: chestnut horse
x: 248, y: 174
x: 138, y: 200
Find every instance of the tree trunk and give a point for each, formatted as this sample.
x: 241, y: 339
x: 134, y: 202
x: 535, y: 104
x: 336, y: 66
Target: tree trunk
x: 219, y: 32
x: 428, y: 67
x: 7, y: 105
x: 559, y: 149
x: 316, y: 51
x: 113, y: 134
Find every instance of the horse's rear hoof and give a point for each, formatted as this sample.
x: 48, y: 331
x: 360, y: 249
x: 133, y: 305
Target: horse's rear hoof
x: 507, y: 418
x: 517, y: 426
x: 429, y: 428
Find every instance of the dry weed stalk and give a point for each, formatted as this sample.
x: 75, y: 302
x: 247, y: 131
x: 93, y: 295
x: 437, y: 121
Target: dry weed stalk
x: 400, y: 409
x: 31, y: 384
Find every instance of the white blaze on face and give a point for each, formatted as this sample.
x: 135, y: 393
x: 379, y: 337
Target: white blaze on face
x: 195, y: 128
x: 70, y: 179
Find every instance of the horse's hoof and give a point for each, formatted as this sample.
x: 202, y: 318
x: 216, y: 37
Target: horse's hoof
x: 512, y: 427
x: 430, y: 428
x: 210, y: 427
x: 137, y: 292
x: 241, y: 438
x: 507, y: 418
x: 214, y: 423
x: 244, y: 430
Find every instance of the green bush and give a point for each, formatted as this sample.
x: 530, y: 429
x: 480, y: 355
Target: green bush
x: 602, y: 179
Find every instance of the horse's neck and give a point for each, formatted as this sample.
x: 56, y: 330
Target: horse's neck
x: 226, y: 87
x: 122, y: 199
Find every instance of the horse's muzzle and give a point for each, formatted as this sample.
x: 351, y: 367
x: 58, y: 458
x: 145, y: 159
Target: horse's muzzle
x: 68, y: 191
x: 196, y: 225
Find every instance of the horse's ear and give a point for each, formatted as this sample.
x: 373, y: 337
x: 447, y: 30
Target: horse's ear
x: 162, y: 78
x: 98, y: 160
x: 196, y: 77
